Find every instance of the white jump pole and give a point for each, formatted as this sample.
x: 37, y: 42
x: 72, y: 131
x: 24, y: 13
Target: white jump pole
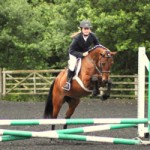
x: 142, y: 63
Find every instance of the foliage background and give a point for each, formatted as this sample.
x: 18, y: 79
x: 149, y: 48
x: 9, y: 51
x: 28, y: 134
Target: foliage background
x: 35, y: 34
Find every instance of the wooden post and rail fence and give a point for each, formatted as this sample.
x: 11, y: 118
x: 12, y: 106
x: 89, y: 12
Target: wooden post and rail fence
x: 37, y: 82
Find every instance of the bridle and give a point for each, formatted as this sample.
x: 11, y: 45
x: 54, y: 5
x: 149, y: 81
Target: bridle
x: 106, y: 54
x: 99, y: 68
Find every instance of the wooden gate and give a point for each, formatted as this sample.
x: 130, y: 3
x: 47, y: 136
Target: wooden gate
x: 31, y: 82
x: 26, y: 81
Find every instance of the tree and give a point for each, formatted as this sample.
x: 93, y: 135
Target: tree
x: 36, y: 33
x: 123, y: 26
x: 21, y: 36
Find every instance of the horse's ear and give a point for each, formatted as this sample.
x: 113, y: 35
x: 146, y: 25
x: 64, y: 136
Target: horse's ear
x: 113, y: 53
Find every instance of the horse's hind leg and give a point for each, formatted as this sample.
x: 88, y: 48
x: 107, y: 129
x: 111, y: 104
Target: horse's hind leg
x: 72, y: 103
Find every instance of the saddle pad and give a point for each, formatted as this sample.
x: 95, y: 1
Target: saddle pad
x: 78, y: 67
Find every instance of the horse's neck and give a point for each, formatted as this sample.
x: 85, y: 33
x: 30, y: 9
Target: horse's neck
x: 87, y: 68
x: 94, y: 55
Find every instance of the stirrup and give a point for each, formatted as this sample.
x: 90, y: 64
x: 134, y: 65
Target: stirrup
x: 67, y: 86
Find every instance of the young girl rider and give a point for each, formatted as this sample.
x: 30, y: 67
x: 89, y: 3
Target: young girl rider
x: 79, y: 49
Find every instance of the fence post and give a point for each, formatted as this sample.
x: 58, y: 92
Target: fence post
x: 34, y: 82
x: 4, y: 82
x: 136, y: 85
x: 142, y: 63
x: 1, y: 83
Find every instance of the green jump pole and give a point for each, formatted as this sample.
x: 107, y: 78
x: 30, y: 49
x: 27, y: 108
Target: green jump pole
x: 6, y: 138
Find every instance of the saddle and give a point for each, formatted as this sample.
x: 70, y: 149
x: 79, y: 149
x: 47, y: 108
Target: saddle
x: 77, y: 67
x: 76, y: 77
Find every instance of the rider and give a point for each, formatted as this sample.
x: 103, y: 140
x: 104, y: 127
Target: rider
x: 79, y: 49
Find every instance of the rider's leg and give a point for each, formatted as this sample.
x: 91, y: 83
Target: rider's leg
x: 67, y: 85
x: 72, y: 63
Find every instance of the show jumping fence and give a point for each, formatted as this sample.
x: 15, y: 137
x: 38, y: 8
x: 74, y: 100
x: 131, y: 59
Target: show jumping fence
x: 141, y: 121
x: 37, y: 82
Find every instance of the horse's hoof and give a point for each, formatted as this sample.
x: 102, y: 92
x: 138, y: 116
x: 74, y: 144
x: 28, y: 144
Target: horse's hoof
x: 104, y: 97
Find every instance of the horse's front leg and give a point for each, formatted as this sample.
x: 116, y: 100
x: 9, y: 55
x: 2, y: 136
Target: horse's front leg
x: 95, y: 91
x: 106, y: 94
x: 72, y: 103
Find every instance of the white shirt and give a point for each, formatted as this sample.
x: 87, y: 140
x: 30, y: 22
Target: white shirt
x: 85, y: 37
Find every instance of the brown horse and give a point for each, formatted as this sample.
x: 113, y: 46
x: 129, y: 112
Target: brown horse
x: 95, y: 68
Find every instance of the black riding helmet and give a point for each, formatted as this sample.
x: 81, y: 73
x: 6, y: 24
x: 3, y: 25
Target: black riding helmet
x: 85, y: 24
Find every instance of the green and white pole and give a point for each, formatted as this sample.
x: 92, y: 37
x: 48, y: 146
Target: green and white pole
x: 98, y: 139
x: 24, y: 122
x: 68, y: 131
x: 6, y: 138
x: 57, y: 135
x: 95, y: 128
x: 80, y: 138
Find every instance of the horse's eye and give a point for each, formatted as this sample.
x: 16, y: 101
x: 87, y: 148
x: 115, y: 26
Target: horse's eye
x: 102, y: 55
x: 103, y: 64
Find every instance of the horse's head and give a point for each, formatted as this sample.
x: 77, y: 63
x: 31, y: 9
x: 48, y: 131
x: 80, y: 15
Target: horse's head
x: 103, y: 61
x: 104, y: 64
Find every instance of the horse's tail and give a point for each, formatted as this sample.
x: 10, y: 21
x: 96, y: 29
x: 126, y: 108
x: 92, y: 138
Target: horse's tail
x: 49, y: 104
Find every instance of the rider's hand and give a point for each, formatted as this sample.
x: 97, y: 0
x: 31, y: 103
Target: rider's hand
x: 85, y: 53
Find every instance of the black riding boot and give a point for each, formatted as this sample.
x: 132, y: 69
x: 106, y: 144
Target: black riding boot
x: 70, y: 75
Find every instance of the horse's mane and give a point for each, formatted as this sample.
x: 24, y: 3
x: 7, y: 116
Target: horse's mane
x: 96, y: 46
